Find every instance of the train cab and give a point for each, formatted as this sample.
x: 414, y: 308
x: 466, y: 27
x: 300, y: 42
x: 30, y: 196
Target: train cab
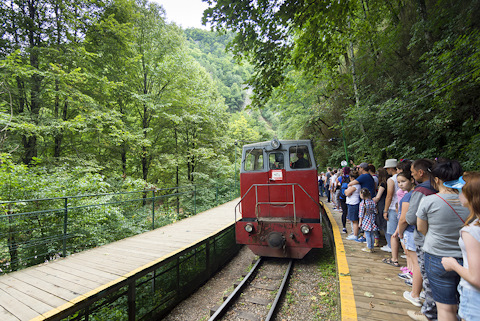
x: 279, y: 206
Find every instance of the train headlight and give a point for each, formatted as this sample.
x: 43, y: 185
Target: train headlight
x: 305, y: 229
x: 249, y: 228
x: 275, y: 143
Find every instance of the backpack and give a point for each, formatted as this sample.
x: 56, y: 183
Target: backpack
x: 344, y: 186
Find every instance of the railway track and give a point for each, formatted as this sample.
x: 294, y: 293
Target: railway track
x: 258, y: 295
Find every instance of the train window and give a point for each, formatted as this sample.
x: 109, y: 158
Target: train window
x: 299, y: 157
x: 276, y: 160
x: 253, y: 160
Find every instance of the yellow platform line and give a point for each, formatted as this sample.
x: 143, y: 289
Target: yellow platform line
x: 347, y: 299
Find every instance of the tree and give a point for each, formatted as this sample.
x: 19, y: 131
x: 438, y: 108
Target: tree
x: 39, y: 42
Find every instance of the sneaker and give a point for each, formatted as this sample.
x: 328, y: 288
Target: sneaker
x: 408, y: 282
x: 366, y: 249
x: 404, y: 276
x: 386, y: 248
x: 361, y: 239
x: 422, y: 295
x: 344, y: 231
x: 417, y: 315
x: 351, y: 238
x: 415, y: 301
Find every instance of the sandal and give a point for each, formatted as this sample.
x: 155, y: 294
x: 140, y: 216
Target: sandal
x: 390, y: 262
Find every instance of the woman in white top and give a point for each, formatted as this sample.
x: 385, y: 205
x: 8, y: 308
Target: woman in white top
x: 353, y: 204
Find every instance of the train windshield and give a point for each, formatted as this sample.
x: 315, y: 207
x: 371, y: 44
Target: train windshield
x: 253, y: 160
x: 276, y: 160
x: 299, y: 157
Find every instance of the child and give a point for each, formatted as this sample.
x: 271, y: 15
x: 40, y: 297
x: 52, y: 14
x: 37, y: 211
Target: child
x: 366, y: 215
x: 405, y: 232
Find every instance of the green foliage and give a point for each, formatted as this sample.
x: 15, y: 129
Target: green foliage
x: 77, y: 210
x: 209, y: 49
x: 403, y: 77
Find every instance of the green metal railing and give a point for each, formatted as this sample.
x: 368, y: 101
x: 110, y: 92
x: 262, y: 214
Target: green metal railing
x: 38, y: 230
x: 151, y: 293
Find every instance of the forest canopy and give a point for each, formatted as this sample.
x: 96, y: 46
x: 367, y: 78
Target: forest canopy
x: 403, y: 77
x: 109, y: 89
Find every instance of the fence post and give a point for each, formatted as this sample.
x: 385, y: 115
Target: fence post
x: 131, y: 296
x: 65, y: 221
x: 194, y: 199
x: 153, y: 209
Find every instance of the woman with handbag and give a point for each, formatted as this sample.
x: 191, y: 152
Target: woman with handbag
x: 440, y: 217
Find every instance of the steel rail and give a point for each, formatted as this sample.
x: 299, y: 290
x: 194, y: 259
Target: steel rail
x: 280, y: 291
x: 228, y: 301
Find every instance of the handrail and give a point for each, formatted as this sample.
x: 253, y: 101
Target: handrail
x: 279, y: 184
x: 37, y: 230
x: 106, y: 194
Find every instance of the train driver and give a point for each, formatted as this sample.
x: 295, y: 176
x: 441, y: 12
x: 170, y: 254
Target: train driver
x: 301, y: 162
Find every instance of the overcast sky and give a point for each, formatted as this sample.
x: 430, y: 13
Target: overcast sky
x: 186, y: 13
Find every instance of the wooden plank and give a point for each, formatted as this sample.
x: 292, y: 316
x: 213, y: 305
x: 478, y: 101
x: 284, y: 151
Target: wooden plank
x: 85, y: 271
x: 102, y: 264
x: 15, y: 307
x: 158, y: 250
x: 128, y: 252
x: 33, y: 303
x: 7, y: 316
x: 115, y: 258
x: 48, y: 287
x: 68, y: 276
x: 66, y: 284
x: 32, y: 291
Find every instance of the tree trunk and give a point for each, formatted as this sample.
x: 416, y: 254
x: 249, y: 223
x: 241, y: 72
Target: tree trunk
x: 422, y: 9
x: 30, y: 141
x: 355, y: 88
x: 123, y: 151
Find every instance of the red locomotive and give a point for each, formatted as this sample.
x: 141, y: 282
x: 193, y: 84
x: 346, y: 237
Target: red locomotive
x: 281, y: 214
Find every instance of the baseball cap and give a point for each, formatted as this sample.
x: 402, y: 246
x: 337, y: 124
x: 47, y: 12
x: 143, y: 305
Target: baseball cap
x: 363, y: 165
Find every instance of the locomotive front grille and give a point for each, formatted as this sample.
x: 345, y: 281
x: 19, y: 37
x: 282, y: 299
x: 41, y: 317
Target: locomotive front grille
x: 278, y: 219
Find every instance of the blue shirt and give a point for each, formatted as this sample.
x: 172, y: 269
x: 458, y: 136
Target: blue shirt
x: 366, y: 180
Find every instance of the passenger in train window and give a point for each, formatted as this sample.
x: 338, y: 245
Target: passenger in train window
x: 469, y: 242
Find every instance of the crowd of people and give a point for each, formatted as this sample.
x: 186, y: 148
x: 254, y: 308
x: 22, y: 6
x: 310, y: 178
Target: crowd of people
x: 427, y: 209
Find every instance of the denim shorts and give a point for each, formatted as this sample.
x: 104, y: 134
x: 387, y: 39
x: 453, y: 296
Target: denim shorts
x: 392, y: 222
x: 469, y: 301
x: 353, y: 212
x: 443, y: 284
x: 409, y: 241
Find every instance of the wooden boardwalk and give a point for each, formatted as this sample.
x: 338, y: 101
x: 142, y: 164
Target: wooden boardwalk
x: 369, y: 289
x: 40, y: 291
